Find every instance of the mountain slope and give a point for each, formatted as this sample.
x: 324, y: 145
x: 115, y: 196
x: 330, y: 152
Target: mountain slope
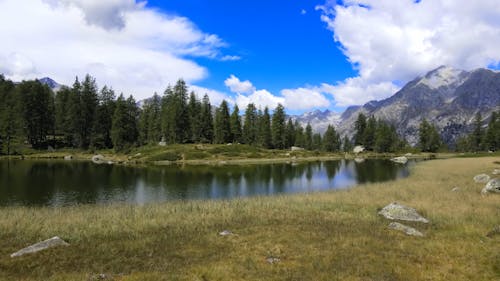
x: 447, y: 97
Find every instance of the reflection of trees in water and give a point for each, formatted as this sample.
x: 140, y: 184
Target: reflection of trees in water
x: 375, y: 171
x: 331, y: 168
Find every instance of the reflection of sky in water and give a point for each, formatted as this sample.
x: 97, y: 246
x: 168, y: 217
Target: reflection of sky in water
x: 66, y: 183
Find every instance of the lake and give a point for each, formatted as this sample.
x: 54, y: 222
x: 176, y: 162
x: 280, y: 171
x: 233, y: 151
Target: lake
x: 62, y: 183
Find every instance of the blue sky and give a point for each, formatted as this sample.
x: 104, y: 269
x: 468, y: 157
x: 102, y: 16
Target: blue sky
x: 280, y: 46
x: 307, y: 55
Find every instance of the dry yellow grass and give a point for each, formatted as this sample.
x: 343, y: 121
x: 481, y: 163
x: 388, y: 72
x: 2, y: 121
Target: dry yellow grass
x: 320, y: 236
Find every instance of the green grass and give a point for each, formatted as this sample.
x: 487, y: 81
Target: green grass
x: 334, y: 235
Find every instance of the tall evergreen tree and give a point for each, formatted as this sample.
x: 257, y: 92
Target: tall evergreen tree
x: 492, y: 139
x: 206, y: 122
x: 88, y: 105
x: 265, y: 137
x: 63, y: 116
x: 369, y: 133
x: 9, y: 114
x: 317, y: 142
x: 103, y: 119
x: 299, y: 135
x: 477, y: 133
x: 308, y: 142
x: 359, y: 128
x: 429, y: 139
x: 236, y: 130
x: 289, y: 134
x: 124, y: 129
x: 279, y: 129
x: 194, y: 113
x: 250, y: 125
x: 331, y: 139
x: 222, y: 127
x: 347, y: 144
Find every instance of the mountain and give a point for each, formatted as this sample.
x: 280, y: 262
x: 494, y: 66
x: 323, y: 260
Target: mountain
x: 318, y: 119
x: 448, y: 98
x: 51, y: 83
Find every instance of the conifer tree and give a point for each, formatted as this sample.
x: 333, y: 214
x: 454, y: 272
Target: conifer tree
x: 308, y: 137
x: 331, y: 139
x: 279, y: 129
x: 359, y: 128
x: 477, y: 133
x: 369, y: 133
x: 103, y: 119
x: 429, y: 139
x: 222, y: 127
x: 317, y: 143
x: 206, y: 122
x: 347, y: 144
x: 289, y: 134
x: 299, y: 135
x: 265, y: 137
x: 236, y: 130
x: 250, y: 125
x: 88, y: 105
x: 194, y: 111
x: 492, y: 139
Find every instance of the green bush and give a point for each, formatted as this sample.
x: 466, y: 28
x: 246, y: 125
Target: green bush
x: 166, y: 156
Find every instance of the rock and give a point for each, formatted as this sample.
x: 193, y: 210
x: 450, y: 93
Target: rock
x: 358, y: 149
x: 492, y: 186
x: 225, y: 233
x: 481, y: 178
x: 496, y: 172
x: 495, y: 231
x: 137, y: 154
x: 162, y: 143
x: 49, y: 243
x: 68, y: 157
x: 406, y: 229
x: 296, y: 148
x: 455, y: 189
x: 395, y: 211
x: 50, y: 149
x: 401, y: 159
x: 229, y: 143
x: 408, y: 154
x: 98, y: 159
x: 272, y: 260
x: 110, y: 162
x: 359, y: 160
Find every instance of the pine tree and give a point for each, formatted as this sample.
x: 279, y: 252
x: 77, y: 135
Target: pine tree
x: 119, y: 127
x: 477, y: 133
x: 429, y: 139
x: 264, y: 135
x: 103, y: 119
x: 289, y: 134
x: 63, y: 122
x: 369, y: 133
x: 222, y: 127
x: 317, y: 142
x: 331, y: 139
x: 236, y: 130
x: 9, y: 114
x: 347, y: 144
x: 492, y: 138
x: 308, y: 137
x: 154, y: 120
x: 88, y: 105
x: 280, y: 138
x: 250, y: 125
x: 360, y: 127
x: 206, y: 122
x: 194, y: 111
x: 299, y: 135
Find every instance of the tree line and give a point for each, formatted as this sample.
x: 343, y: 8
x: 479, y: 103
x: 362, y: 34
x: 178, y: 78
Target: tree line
x: 85, y: 117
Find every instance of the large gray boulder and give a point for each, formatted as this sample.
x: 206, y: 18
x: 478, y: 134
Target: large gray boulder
x: 492, y: 186
x: 481, y: 178
x: 400, y: 160
x: 395, y: 211
x: 68, y: 157
x: 296, y: 148
x: 358, y: 149
x: 406, y: 229
x: 49, y: 243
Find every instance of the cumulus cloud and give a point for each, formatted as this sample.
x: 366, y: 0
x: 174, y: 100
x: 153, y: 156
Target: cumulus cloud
x: 293, y: 99
x: 216, y: 97
x: 304, y: 98
x: 238, y: 86
x: 389, y: 41
x: 134, y: 49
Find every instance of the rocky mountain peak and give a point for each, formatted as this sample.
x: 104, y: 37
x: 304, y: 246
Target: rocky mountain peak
x: 443, y: 76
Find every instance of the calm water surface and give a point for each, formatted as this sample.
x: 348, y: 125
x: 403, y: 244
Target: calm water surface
x: 56, y: 183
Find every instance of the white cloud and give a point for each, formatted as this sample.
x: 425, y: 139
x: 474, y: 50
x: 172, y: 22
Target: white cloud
x: 134, y: 49
x: 304, y: 98
x: 292, y: 99
x: 389, y: 41
x: 237, y: 86
x: 230, y: 58
x: 216, y: 97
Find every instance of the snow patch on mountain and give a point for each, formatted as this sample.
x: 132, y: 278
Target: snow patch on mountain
x: 443, y: 76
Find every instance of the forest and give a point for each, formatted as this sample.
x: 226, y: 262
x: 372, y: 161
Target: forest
x: 84, y: 117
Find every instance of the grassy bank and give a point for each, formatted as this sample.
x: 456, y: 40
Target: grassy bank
x: 321, y: 236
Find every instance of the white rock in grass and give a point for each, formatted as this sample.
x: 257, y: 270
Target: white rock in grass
x: 395, y: 211
x: 406, y: 229
x: 492, y: 186
x: 225, y: 233
x: 273, y: 260
x: 49, y: 243
x: 481, y: 178
x: 358, y: 149
x: 496, y: 172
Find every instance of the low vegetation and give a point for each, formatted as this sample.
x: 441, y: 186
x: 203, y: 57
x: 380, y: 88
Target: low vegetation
x: 333, y: 235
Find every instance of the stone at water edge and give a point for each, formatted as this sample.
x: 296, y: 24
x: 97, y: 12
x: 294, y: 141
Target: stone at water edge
x: 68, y: 157
x: 395, y: 211
x: 49, y: 243
x: 98, y: 159
x: 496, y: 172
x: 401, y: 159
x: 492, y: 186
x: 296, y: 148
x: 406, y: 229
x: 358, y: 149
x: 481, y: 178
